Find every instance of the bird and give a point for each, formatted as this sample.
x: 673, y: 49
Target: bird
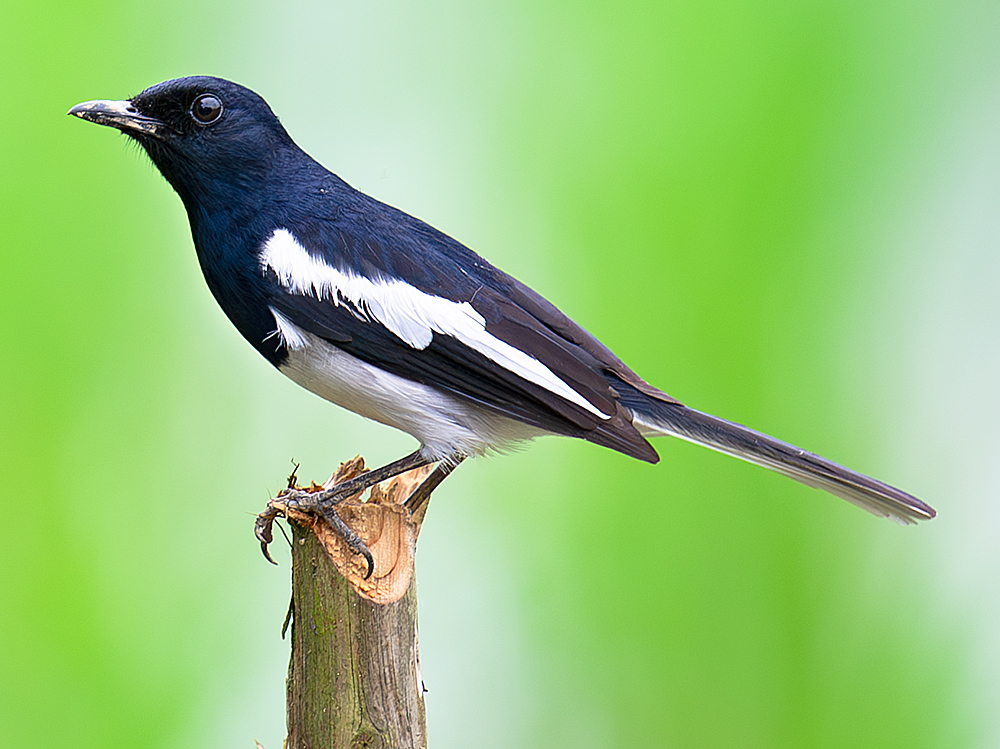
x: 379, y: 312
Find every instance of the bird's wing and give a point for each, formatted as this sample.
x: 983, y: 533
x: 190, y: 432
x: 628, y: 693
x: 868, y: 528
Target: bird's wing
x: 470, y: 339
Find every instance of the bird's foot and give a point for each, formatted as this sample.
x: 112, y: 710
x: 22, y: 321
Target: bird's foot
x: 383, y: 527
x: 322, y: 503
x: 319, y: 500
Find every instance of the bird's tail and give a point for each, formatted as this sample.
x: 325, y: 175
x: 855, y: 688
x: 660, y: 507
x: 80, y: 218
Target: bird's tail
x: 655, y: 417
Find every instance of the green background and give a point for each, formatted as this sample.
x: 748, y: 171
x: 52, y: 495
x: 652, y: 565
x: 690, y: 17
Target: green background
x: 782, y: 212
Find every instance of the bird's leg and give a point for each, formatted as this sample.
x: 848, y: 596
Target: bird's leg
x: 423, y: 492
x: 323, y: 502
x: 339, y: 492
x: 420, y: 495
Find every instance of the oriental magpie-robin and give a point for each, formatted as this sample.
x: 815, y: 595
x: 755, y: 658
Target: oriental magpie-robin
x: 374, y: 310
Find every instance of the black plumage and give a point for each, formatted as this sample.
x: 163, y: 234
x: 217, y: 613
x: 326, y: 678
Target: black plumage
x: 377, y: 310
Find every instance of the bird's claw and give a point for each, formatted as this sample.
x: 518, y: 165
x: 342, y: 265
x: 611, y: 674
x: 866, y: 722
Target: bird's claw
x: 311, y: 503
x: 262, y: 529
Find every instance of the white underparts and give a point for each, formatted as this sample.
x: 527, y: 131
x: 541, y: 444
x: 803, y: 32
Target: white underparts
x: 409, y: 313
x: 444, y: 425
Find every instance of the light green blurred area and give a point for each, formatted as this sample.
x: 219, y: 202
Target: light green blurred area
x: 784, y: 213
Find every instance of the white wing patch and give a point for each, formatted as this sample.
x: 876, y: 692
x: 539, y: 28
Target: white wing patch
x: 290, y: 335
x: 411, y: 314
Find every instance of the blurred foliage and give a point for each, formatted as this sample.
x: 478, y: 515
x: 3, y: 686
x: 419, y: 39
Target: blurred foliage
x: 708, y: 187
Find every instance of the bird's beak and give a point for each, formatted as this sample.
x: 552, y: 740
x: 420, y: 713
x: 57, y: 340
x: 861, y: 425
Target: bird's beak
x: 121, y: 115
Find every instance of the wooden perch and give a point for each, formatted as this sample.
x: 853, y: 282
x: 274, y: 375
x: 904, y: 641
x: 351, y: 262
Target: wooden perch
x: 354, y: 673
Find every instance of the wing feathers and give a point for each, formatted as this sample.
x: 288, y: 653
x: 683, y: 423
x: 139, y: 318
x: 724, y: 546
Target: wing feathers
x: 414, y: 316
x: 485, y: 349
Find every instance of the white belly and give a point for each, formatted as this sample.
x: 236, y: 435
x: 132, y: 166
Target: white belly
x: 444, y: 425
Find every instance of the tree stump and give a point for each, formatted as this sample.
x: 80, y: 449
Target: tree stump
x: 354, y: 673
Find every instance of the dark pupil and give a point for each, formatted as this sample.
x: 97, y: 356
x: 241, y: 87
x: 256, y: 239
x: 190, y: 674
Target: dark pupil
x: 206, y: 108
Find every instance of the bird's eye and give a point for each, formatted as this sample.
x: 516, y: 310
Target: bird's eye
x: 206, y: 109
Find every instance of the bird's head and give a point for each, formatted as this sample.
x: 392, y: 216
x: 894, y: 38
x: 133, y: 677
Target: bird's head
x: 208, y: 136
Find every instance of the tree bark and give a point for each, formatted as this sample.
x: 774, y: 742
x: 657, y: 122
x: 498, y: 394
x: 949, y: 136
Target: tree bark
x: 354, y: 675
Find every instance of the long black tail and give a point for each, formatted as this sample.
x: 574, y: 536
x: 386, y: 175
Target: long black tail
x: 654, y: 417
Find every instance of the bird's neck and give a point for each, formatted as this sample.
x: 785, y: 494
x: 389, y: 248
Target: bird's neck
x: 230, y: 221
x: 227, y: 243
